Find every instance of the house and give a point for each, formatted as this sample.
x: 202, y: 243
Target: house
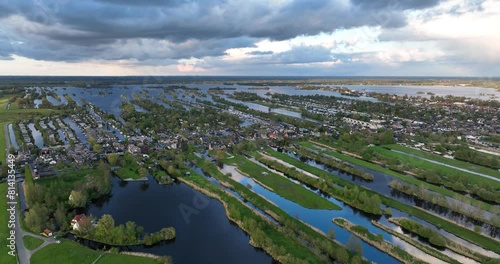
x: 47, y: 232
x: 133, y: 149
x: 76, y: 220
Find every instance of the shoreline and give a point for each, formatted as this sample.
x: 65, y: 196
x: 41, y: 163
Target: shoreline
x: 383, y: 245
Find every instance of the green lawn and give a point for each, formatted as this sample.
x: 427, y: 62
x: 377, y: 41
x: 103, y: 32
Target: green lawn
x: 69, y: 252
x: 32, y: 242
x: 405, y: 178
x: 159, y: 173
x: 280, y: 185
x: 440, y: 169
x: 128, y: 171
x: 452, y: 162
x: 4, y: 230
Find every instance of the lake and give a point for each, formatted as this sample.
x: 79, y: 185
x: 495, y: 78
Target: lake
x: 207, y: 236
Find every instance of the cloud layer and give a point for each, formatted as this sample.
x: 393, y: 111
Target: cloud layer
x: 286, y: 37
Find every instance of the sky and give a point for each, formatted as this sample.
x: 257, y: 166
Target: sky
x: 251, y: 37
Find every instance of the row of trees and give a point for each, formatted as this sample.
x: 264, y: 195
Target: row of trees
x: 434, y: 237
x: 335, y: 163
x: 106, y: 231
x: 422, y: 193
x: 357, y: 142
x: 130, y: 233
x: 476, y: 157
x: 360, y: 199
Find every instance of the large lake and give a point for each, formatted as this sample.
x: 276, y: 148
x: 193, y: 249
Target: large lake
x: 206, y: 236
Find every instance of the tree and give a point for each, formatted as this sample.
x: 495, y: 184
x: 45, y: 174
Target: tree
x: 112, y: 158
x: 131, y: 230
x: 78, y: 198
x: 97, y: 148
x: 356, y: 260
x: 164, y: 164
x: 61, y: 216
x: 342, y: 255
x: 59, y: 165
x: 354, y: 245
x: 34, y: 194
x: 104, y: 228
x: 331, y: 233
x: 92, y: 141
x: 170, y: 170
x: 143, y: 171
x: 36, y: 218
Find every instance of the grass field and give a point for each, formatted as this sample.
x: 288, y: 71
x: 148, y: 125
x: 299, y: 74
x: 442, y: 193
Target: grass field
x: 22, y: 114
x: 281, y: 185
x: 69, y: 252
x: 405, y: 178
x: 124, y: 259
x: 452, y: 162
x: 465, y: 233
x: 2, y: 143
x: 67, y: 178
x: 440, y: 169
x: 3, y: 102
x: 32, y: 242
x: 128, y: 171
x: 4, y: 230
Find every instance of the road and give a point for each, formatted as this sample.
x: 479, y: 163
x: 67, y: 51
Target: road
x: 447, y: 165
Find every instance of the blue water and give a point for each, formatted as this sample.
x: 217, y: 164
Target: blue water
x: 78, y: 131
x: 12, y: 136
x: 37, y: 135
x: 206, y: 236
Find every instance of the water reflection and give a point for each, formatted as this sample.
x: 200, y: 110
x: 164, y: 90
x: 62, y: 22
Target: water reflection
x: 208, y: 232
x: 37, y: 135
x: 12, y: 136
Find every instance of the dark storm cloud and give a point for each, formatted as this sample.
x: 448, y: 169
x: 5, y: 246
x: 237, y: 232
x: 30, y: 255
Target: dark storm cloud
x: 73, y: 30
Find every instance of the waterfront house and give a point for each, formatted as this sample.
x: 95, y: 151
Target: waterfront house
x: 75, y: 221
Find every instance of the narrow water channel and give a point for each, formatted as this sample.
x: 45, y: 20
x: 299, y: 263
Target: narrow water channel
x: 37, y: 135
x: 322, y: 219
x: 358, y: 220
x: 12, y: 136
x: 380, y: 185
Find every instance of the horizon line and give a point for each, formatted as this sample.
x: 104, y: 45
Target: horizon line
x: 270, y: 76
